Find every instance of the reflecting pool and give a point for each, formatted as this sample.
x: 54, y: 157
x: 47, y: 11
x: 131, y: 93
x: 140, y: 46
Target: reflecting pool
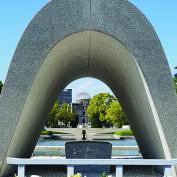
x: 61, y: 152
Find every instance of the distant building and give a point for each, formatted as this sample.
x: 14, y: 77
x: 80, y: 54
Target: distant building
x: 79, y: 110
x: 82, y: 101
x: 83, y: 98
x: 65, y: 97
x: 80, y: 106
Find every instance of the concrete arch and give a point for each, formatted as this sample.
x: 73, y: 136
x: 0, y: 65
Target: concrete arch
x: 112, y: 41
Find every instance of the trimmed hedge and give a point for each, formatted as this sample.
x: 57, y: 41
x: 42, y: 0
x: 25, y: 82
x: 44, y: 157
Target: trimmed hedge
x: 45, y: 132
x: 125, y: 132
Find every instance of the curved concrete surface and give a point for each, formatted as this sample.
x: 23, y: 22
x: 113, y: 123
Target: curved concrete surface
x: 112, y: 41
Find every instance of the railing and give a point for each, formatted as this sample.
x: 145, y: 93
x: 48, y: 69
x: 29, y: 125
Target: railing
x: 70, y: 163
x: 63, y: 147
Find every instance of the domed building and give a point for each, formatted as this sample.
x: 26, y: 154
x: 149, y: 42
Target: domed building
x: 80, y: 107
x: 83, y: 98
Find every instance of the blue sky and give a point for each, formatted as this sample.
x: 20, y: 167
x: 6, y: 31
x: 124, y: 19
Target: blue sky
x: 15, y: 16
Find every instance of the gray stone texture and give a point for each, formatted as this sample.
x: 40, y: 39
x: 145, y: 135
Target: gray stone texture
x: 126, y: 24
x: 89, y: 150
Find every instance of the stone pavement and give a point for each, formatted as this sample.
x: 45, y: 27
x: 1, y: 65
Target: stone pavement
x: 76, y: 133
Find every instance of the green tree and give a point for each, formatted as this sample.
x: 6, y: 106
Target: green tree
x: 1, y: 85
x: 53, y: 120
x: 115, y: 115
x: 101, y: 110
x: 175, y: 82
x: 96, y: 110
x: 62, y: 114
x: 95, y: 121
x: 74, y: 120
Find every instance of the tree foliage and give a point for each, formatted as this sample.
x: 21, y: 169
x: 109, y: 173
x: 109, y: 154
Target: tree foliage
x: 52, y: 119
x: 1, y: 85
x: 105, y: 110
x: 95, y: 121
x: 115, y: 115
x: 62, y: 114
x: 175, y: 82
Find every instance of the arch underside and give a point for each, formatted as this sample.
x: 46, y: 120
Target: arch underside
x: 100, y: 56
x: 131, y: 63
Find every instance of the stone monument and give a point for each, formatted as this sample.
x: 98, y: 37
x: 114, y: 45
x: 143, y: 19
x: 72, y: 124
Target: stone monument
x: 89, y: 150
x: 108, y: 40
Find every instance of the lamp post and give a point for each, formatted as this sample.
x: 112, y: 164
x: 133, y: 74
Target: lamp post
x: 84, y: 134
